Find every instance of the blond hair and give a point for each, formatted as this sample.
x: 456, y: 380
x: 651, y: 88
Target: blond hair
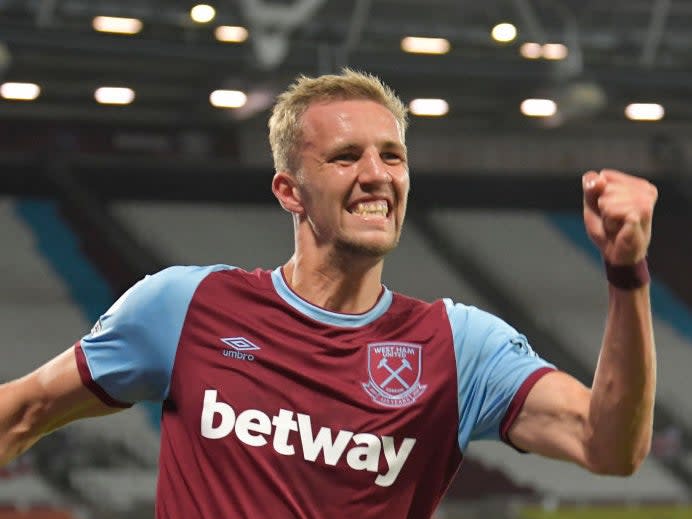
x: 285, y: 129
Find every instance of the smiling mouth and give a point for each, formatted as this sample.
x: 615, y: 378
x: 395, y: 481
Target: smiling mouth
x: 369, y: 209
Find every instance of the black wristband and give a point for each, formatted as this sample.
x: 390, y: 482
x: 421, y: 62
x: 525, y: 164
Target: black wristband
x: 628, y: 277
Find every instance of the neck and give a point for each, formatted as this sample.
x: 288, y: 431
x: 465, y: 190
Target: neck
x: 344, y: 284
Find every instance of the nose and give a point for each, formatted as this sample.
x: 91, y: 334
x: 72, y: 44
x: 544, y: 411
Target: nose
x: 373, y: 169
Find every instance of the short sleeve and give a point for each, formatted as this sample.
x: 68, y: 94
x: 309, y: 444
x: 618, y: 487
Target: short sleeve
x: 129, y: 354
x: 496, y: 368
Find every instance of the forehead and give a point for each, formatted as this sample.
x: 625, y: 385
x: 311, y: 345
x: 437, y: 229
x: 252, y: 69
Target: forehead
x: 348, y: 120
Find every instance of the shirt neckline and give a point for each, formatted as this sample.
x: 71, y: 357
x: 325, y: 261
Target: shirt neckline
x: 327, y: 316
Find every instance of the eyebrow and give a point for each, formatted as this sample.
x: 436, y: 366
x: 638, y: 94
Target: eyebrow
x: 344, y: 147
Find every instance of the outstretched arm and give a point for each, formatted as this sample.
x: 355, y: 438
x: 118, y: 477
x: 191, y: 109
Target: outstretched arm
x: 606, y: 429
x: 42, y: 401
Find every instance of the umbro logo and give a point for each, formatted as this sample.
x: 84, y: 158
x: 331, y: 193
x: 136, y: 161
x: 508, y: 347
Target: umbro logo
x: 240, y: 343
x: 240, y: 346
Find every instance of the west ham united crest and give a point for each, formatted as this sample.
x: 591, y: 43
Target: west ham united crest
x: 394, y: 372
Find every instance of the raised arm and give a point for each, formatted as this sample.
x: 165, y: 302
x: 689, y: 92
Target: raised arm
x: 42, y: 401
x: 606, y: 429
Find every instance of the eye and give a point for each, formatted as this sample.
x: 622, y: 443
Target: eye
x: 391, y: 157
x: 345, y: 158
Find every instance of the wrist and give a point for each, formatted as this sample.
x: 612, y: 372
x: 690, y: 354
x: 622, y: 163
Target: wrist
x: 628, y: 277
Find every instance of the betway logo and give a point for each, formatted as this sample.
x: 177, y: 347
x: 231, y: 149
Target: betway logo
x: 254, y: 428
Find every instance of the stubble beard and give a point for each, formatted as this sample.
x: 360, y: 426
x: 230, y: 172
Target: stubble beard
x: 354, y: 248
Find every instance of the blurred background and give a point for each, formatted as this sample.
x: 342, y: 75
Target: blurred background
x: 133, y: 136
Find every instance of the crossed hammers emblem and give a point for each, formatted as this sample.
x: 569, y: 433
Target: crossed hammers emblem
x: 394, y: 373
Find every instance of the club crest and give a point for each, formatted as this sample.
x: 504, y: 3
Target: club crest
x: 394, y: 372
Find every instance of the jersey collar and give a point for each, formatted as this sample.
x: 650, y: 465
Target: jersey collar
x: 326, y: 316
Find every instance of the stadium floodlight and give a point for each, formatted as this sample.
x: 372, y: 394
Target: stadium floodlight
x: 20, y: 91
x: 114, y: 95
x: 504, y: 32
x: 429, y: 107
x: 231, y: 33
x: 202, y: 13
x: 538, y: 107
x: 117, y: 25
x: 644, y: 112
x: 531, y: 50
x: 421, y: 45
x: 555, y: 51
x: 227, y: 98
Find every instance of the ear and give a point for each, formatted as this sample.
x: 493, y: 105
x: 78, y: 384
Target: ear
x: 286, y: 191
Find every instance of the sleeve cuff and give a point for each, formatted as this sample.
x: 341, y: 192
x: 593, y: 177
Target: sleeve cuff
x: 90, y: 383
x: 518, y: 402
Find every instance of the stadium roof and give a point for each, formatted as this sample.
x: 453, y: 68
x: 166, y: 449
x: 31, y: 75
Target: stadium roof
x: 619, y: 52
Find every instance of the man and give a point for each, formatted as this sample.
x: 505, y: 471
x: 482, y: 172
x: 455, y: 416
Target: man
x: 313, y: 391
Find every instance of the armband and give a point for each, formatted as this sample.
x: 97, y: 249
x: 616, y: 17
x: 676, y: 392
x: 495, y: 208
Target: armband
x: 628, y: 277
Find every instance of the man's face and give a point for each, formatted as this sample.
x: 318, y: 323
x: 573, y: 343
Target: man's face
x: 353, y: 176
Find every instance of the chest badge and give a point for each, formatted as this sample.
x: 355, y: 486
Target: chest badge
x: 394, y: 373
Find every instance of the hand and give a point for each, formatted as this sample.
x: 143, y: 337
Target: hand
x: 618, y: 209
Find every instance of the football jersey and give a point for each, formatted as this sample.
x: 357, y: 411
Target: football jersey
x: 274, y: 407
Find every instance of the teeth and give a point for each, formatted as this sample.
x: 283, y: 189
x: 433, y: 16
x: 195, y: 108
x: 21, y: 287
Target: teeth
x: 378, y: 207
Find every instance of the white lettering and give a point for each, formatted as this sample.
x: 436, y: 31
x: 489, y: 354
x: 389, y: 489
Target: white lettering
x: 211, y: 407
x: 395, y: 460
x: 253, y: 421
x: 238, y: 355
x: 252, y: 426
x: 284, y: 424
x: 321, y: 442
x: 400, y: 352
x: 366, y: 457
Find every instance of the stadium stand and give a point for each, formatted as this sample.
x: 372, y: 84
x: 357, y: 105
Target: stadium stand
x: 36, y: 513
x: 229, y: 236
x: 40, y: 321
x: 563, y: 290
x: 569, y: 483
x: 512, y: 245
x: 43, y: 318
x: 46, y: 319
x: 118, y: 489
x: 131, y: 429
x: 28, y: 490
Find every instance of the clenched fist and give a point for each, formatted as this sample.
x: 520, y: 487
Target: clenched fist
x: 618, y: 209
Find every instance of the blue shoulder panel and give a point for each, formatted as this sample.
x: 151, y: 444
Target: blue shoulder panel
x: 131, y: 349
x: 493, y: 360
